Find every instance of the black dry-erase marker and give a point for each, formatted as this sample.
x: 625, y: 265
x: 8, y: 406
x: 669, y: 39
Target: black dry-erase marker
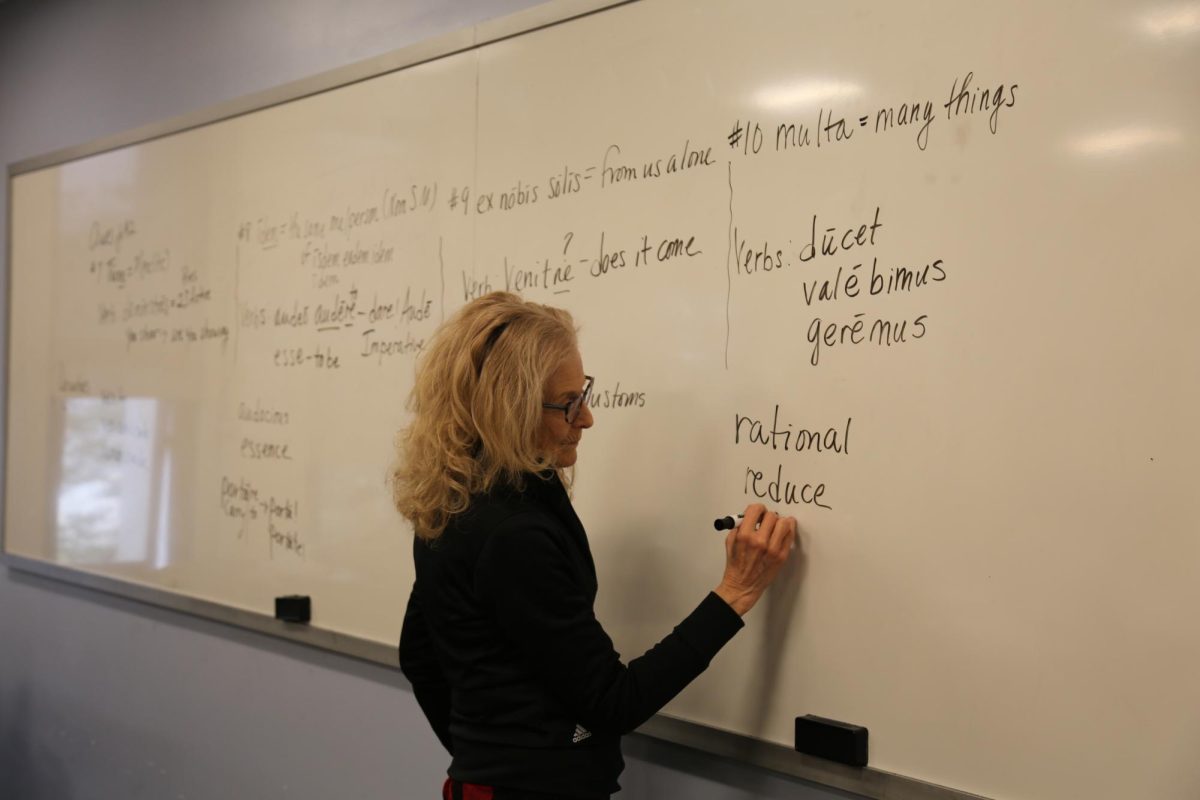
x: 727, y: 523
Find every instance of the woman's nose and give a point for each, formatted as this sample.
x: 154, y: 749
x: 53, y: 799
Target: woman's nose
x: 584, y: 420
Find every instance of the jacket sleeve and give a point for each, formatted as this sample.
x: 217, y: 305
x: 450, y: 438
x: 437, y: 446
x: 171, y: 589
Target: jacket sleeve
x: 541, y: 606
x: 419, y: 663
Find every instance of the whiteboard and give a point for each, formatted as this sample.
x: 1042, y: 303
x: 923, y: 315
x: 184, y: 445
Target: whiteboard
x: 922, y: 275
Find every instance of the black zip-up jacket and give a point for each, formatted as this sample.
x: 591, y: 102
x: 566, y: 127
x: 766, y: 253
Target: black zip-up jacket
x: 508, y: 662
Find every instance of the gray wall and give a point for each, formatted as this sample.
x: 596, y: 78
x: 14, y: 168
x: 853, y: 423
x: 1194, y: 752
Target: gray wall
x: 101, y: 697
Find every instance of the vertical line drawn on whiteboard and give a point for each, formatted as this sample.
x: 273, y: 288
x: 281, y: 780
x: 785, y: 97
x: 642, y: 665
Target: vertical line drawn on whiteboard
x: 728, y: 255
x: 237, y: 300
x: 475, y: 173
x: 442, y: 273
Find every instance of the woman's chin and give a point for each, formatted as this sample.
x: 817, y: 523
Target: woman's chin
x: 566, y: 457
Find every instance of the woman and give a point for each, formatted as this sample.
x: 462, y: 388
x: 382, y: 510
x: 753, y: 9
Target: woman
x: 518, y: 679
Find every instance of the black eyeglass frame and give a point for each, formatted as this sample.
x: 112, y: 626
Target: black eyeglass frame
x: 572, y: 409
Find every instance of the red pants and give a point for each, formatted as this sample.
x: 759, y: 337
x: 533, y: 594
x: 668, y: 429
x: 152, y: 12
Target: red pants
x: 453, y: 790
x: 456, y: 790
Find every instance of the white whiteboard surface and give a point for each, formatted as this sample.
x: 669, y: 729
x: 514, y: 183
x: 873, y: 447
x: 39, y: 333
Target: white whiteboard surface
x: 212, y: 336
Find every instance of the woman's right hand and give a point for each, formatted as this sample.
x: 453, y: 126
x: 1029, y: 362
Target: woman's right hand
x: 754, y: 553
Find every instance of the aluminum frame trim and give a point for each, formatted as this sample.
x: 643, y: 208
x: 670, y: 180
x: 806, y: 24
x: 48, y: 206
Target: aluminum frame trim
x: 5, y: 357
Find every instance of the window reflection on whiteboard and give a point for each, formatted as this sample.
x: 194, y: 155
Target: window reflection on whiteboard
x: 114, y: 487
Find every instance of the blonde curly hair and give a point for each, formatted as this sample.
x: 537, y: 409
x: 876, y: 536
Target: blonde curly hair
x: 477, y: 405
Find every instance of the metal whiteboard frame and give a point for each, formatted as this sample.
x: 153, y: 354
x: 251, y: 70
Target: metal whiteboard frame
x: 871, y: 783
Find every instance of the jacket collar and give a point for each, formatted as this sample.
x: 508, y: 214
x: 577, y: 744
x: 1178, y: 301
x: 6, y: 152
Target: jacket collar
x: 547, y: 488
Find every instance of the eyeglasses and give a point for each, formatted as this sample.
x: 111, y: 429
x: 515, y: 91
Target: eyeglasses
x: 571, y: 410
